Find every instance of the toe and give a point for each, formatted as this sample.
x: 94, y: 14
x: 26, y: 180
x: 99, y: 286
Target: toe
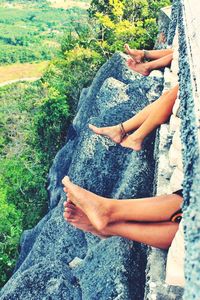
x: 69, y: 197
x: 70, y: 205
x: 69, y: 212
x: 72, y: 220
x: 65, y: 189
x: 64, y: 216
x: 129, y: 61
x: 92, y: 127
x: 126, y: 46
x: 68, y: 215
x: 96, y: 130
x: 65, y: 180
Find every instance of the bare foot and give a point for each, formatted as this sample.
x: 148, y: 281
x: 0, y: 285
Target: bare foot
x: 138, y: 55
x: 95, y: 207
x: 140, y: 68
x: 112, y: 132
x: 75, y: 214
x: 132, y: 143
x: 76, y: 217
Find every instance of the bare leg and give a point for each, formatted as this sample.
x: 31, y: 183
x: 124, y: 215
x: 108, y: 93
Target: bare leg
x: 159, y: 235
x: 147, y: 67
x: 140, y: 117
x: 156, y: 54
x: 100, y: 211
x: 159, y: 114
x: 140, y: 55
x: 146, y: 120
x: 114, y: 132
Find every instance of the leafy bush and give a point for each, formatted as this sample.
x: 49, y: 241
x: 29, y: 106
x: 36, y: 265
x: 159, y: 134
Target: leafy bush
x: 50, y: 123
x: 24, y: 181
x: 128, y: 21
x: 23, y: 195
x: 10, y: 231
x: 63, y: 81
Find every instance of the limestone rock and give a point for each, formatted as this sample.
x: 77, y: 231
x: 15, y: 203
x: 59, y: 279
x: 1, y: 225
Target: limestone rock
x: 109, y: 269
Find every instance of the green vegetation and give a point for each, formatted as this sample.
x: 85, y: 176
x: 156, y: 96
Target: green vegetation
x: 34, y: 116
x: 22, y: 178
x: 10, y: 231
x: 132, y: 21
x: 33, y: 32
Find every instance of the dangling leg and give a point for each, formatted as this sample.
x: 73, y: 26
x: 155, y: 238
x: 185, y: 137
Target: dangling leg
x: 159, y: 114
x: 115, y: 133
x: 101, y: 211
x: 158, y: 234
x: 146, y: 68
x: 140, y: 55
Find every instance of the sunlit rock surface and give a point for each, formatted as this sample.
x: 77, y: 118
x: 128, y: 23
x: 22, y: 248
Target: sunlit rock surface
x: 58, y: 261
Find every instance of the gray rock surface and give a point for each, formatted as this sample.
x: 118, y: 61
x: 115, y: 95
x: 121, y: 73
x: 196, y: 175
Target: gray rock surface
x: 189, y: 39
x: 186, y: 14
x: 58, y: 261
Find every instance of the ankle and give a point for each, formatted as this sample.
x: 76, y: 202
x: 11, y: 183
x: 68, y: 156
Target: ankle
x: 110, y: 209
x: 122, y: 130
x: 145, y: 54
x: 146, y: 66
x: 136, y: 137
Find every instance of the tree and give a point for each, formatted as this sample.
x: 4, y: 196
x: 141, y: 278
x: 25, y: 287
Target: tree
x: 132, y: 21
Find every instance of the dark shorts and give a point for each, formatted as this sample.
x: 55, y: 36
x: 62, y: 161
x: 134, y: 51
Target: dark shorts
x: 177, y: 216
x: 179, y: 192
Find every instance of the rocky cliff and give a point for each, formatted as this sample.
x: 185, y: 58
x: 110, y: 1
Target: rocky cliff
x: 58, y: 261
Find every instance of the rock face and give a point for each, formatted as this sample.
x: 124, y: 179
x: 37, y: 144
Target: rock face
x: 58, y: 261
x: 189, y: 65
x: 186, y: 14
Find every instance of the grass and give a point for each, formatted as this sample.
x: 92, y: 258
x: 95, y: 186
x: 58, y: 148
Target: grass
x: 18, y: 71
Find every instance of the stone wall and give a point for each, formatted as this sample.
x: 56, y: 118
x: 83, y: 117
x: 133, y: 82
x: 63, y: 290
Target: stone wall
x: 186, y: 14
x: 189, y: 64
x: 167, y: 153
